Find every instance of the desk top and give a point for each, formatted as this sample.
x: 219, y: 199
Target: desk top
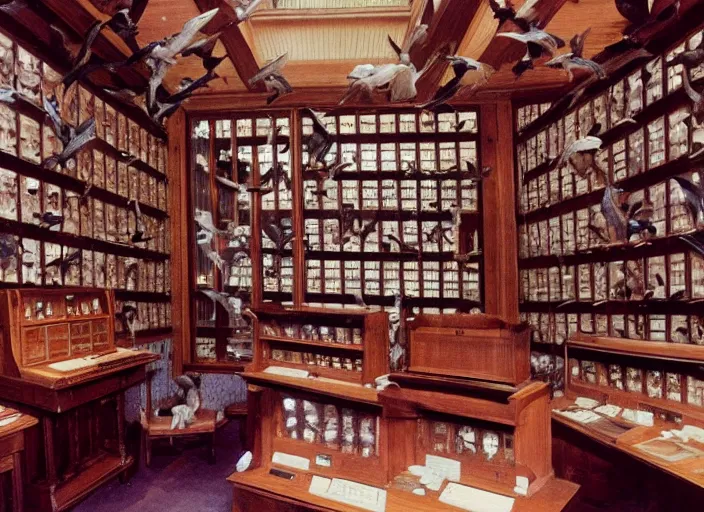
x: 553, y: 497
x: 690, y: 470
x: 23, y: 422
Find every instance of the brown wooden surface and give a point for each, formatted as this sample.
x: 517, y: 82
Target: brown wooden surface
x: 500, y: 244
x: 293, y: 495
x: 180, y: 268
x: 12, y: 443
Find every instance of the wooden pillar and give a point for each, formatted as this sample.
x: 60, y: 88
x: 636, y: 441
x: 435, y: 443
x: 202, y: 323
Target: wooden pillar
x: 299, y: 262
x: 500, y: 238
x: 177, y: 127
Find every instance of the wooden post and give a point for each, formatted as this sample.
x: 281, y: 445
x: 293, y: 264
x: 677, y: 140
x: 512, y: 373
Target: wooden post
x: 299, y: 261
x: 177, y: 127
x: 500, y: 244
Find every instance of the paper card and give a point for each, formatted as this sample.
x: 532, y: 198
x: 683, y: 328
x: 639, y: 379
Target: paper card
x: 444, y: 467
x: 319, y: 485
x: 291, y: 461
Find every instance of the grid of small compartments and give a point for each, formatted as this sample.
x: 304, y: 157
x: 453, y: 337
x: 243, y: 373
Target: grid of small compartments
x: 382, y: 150
x: 345, y: 429
x: 231, y: 148
x: 572, y: 277
x: 467, y: 440
x: 100, y: 224
x: 656, y: 379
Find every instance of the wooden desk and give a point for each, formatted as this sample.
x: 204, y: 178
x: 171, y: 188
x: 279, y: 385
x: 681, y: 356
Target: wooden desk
x: 690, y: 470
x: 257, y: 490
x: 80, y: 442
x: 11, y: 448
x: 159, y: 427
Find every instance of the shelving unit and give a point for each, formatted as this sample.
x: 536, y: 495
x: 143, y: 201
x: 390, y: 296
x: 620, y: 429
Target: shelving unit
x: 348, y: 344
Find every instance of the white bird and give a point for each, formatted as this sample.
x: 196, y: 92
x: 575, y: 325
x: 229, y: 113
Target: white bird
x: 575, y: 60
x: 273, y: 79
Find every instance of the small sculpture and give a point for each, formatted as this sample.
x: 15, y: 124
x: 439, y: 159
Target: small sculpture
x: 188, y: 403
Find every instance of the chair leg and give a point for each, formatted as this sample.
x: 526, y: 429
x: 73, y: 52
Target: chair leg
x: 212, y: 448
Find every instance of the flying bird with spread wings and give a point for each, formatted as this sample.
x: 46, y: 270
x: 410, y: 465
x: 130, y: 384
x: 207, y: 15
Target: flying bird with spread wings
x: 461, y: 66
x: 575, y: 60
x: 273, y: 79
x: 539, y: 43
x: 398, y: 80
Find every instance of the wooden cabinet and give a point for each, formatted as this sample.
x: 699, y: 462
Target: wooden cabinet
x: 59, y: 363
x: 12, y: 443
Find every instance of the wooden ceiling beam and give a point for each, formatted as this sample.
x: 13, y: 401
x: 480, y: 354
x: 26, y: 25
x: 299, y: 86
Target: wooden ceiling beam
x: 238, y: 42
x: 447, y: 29
x: 79, y: 15
x: 502, y: 50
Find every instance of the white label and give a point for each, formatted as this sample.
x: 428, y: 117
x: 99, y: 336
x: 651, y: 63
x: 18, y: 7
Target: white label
x: 292, y: 461
x: 319, y: 485
x: 444, y: 467
x: 323, y: 460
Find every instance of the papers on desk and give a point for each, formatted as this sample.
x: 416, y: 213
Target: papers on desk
x: 475, y: 500
x: 643, y: 418
x: 586, y: 403
x: 349, y: 493
x: 447, y: 468
x: 286, y: 372
x: 79, y: 363
x: 291, y: 461
x: 580, y: 416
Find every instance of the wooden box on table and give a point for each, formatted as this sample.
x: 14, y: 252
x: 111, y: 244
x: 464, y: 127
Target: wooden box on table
x: 466, y: 409
x: 58, y: 362
x: 639, y: 389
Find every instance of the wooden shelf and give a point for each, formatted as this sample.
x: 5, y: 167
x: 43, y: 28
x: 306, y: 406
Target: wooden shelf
x: 86, y: 243
x: 110, y: 150
x: 216, y: 366
x: 650, y: 349
x: 32, y: 170
x: 380, y: 175
x: 327, y: 387
x: 313, y: 343
x: 616, y: 307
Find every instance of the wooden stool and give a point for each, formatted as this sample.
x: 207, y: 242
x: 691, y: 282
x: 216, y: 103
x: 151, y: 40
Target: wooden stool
x: 238, y: 411
x: 11, y: 448
x: 159, y: 427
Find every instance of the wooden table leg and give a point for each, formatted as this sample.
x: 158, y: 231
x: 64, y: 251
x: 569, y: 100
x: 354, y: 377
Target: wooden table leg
x: 147, y: 450
x: 212, y: 448
x: 17, y: 483
x: 48, y: 427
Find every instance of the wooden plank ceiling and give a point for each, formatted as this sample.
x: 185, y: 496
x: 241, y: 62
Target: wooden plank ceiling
x: 324, y: 44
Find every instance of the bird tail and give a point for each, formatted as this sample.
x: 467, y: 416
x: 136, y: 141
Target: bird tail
x: 50, y: 163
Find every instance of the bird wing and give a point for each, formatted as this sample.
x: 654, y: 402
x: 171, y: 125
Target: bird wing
x: 613, y: 214
x: 396, y: 48
x: 318, y: 127
x: 693, y: 94
x: 84, y: 134
x: 185, y: 383
x: 418, y: 36
x: 577, y: 43
x: 180, y: 41
x: 523, y: 38
x: 273, y: 233
x: 361, y: 71
x: 203, y: 48
x: 693, y: 194
x: 85, y: 51
x: 270, y: 68
x: 249, y: 10
x: 589, y: 65
x: 51, y: 108
x: 403, y: 85
x: 588, y: 143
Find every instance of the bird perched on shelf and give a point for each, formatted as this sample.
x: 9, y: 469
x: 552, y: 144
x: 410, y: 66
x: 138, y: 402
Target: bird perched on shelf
x: 696, y: 97
x: 273, y: 79
x: 128, y: 317
x: 690, y: 58
x: 581, y: 154
x: 275, y: 176
x: 694, y: 195
x: 9, y: 249
x: 575, y: 59
x: 73, y: 139
x: 626, y: 219
x: 64, y: 264
x: 140, y: 228
x: 318, y: 143
x: 48, y: 219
